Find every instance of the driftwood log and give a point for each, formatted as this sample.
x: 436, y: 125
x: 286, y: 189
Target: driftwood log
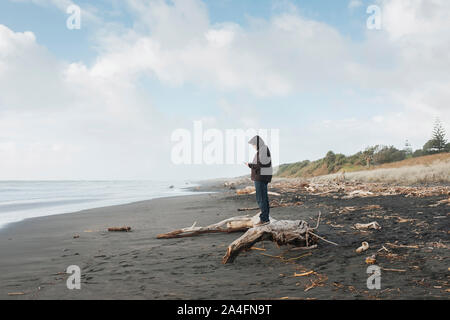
x: 283, y: 232
x: 373, y: 225
x: 235, y: 224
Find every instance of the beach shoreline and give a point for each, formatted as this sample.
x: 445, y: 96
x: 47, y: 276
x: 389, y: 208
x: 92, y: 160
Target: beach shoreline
x: 135, y: 265
x: 22, y: 200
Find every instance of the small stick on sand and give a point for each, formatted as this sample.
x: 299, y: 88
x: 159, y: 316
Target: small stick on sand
x: 393, y: 270
x: 303, y: 274
x: 248, y: 209
x: 402, y: 246
x: 271, y: 256
x: 304, y: 248
x: 256, y: 248
x: 330, y: 242
x: 302, y: 256
x: 120, y: 229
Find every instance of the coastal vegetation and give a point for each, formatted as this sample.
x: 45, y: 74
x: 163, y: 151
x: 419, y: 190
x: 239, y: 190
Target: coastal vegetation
x: 374, y: 157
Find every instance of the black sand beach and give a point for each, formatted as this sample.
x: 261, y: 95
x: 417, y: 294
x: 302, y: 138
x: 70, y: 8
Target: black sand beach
x: 35, y: 253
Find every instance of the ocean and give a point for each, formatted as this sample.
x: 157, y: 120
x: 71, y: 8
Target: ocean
x: 20, y: 200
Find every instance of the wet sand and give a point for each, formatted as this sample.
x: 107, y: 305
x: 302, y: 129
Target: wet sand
x: 35, y: 253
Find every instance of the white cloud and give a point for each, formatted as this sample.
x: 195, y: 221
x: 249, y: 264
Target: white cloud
x: 416, y: 20
x: 220, y: 37
x: 286, y: 54
x: 418, y: 32
x: 25, y: 65
x: 355, y: 4
x: 97, y: 122
x: 62, y: 120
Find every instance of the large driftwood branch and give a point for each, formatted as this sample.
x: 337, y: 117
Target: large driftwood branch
x: 235, y: 224
x: 282, y: 232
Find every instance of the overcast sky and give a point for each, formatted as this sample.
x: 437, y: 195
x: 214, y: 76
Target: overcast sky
x: 102, y: 102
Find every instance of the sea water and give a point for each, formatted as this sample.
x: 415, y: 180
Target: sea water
x: 21, y: 200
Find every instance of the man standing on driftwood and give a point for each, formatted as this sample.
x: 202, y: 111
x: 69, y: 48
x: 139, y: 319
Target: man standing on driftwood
x: 261, y: 175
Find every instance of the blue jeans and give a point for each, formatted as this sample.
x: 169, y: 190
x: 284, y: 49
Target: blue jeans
x: 263, y: 200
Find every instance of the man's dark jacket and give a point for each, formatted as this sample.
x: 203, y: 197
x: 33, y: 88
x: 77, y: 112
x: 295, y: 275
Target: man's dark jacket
x: 262, y: 163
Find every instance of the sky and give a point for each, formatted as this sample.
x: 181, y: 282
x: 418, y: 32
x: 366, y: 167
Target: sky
x: 102, y: 102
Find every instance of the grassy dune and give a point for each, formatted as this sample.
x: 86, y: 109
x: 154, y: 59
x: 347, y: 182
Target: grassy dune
x: 427, y: 169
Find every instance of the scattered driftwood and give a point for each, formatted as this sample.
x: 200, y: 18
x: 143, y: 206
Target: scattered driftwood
x: 392, y: 245
x: 120, y: 229
x: 235, y: 224
x: 286, y: 259
x: 352, y: 209
x: 437, y: 204
x: 281, y: 204
x: 230, y: 185
x: 438, y: 244
x: 358, y: 193
x: 364, y: 247
x: 319, y: 282
x: 372, y: 259
x: 373, y: 225
x: 304, y: 248
x: 248, y: 209
x: 303, y: 274
x: 258, y: 249
x: 252, y: 190
x: 247, y: 190
x: 393, y: 270
x: 356, y: 189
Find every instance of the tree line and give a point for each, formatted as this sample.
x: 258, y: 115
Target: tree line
x: 375, y: 155
x: 386, y: 154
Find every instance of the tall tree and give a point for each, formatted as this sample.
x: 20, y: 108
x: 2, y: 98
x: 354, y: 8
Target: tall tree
x: 438, y: 140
